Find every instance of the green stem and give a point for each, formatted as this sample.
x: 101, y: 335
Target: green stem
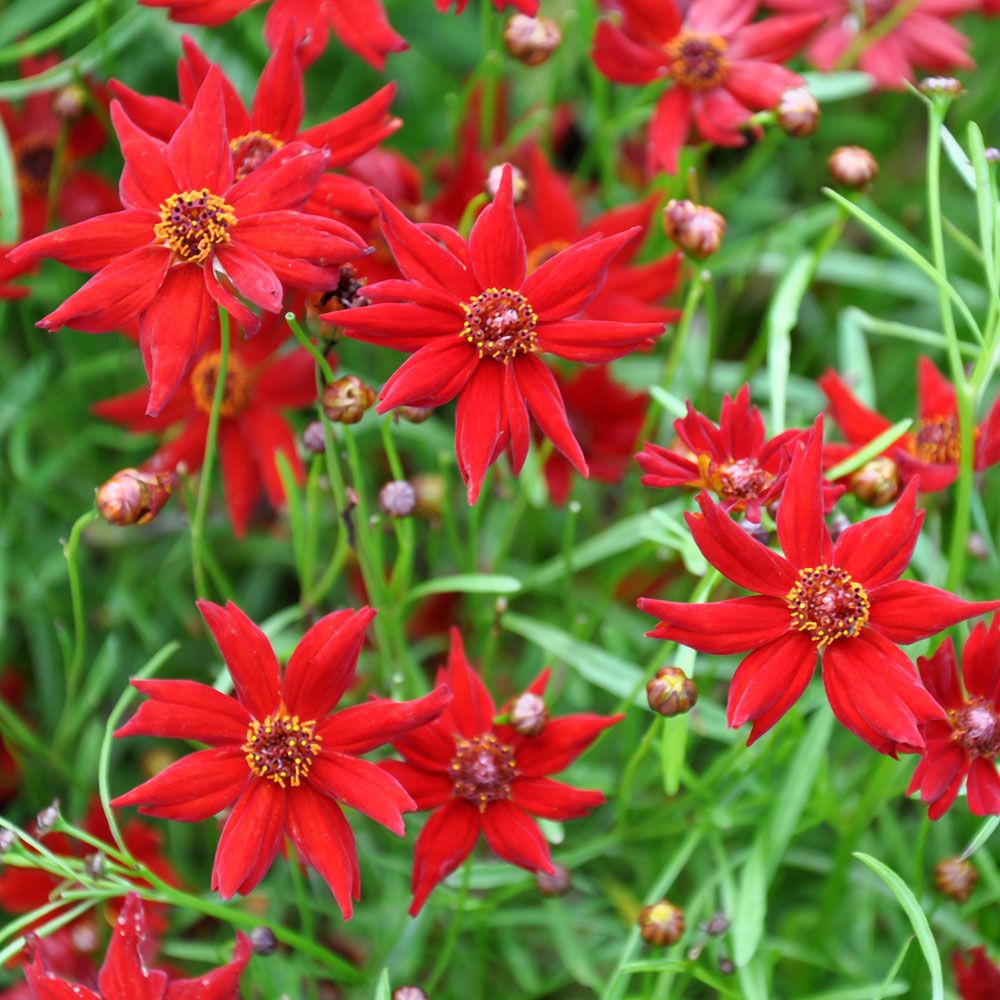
x: 70, y: 550
x: 303, y: 338
x: 208, y: 465
x: 444, y: 956
x: 863, y: 39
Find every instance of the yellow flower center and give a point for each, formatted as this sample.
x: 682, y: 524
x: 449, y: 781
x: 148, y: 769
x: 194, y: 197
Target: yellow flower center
x: 544, y: 252
x: 697, y: 61
x: 281, y: 748
x: 193, y: 222
x: 235, y: 393
x: 828, y: 603
x: 938, y: 441
x: 500, y: 323
x: 251, y: 151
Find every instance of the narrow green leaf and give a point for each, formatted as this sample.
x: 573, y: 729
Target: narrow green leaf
x: 826, y: 87
x: 296, y: 511
x: 383, y: 991
x: 874, y: 447
x: 917, y: 918
x: 983, y: 834
x: 889, y: 987
x: 751, y: 904
x: 467, y: 583
x: 782, y: 315
x: 904, y: 331
x: 10, y: 201
x: 986, y: 206
x: 959, y: 158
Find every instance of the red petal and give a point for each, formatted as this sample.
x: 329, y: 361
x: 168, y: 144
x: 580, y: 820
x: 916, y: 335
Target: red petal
x: 479, y: 425
x: 560, y: 743
x: 719, y: 627
x: 553, y: 799
x: 517, y: 419
x: 431, y: 747
x: 514, y: 836
x: 906, y: 611
x: 496, y: 244
x: 279, y: 102
x: 472, y: 706
x: 253, y: 279
x: 937, y: 394
x: 432, y: 376
x: 720, y: 117
x: 94, y: 243
x: 981, y: 662
x: 444, y: 843
x: 268, y: 435
x: 362, y: 786
x: 357, y: 130
x: 427, y: 788
x: 324, y: 242
x: 187, y: 710
x: 364, y: 727
x: 124, y: 973
x: 594, y: 340
x: 249, y: 657
x: 760, y: 85
x: 541, y: 393
x: 983, y: 788
x: 284, y: 181
x: 362, y: 26
x: 147, y: 180
x: 198, y: 152
x: 219, y: 984
x: 623, y: 60
x: 803, y: 533
x: 398, y: 325
x: 940, y: 674
x: 669, y: 128
x: 775, y: 39
x: 250, y: 838
x: 856, y: 422
x: 240, y: 476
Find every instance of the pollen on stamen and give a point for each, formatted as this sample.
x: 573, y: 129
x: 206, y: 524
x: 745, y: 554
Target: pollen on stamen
x: 282, y: 748
x: 938, y: 441
x: 828, y: 603
x: 251, y: 151
x: 192, y: 223
x: 697, y: 61
x: 500, y: 324
x: 483, y: 769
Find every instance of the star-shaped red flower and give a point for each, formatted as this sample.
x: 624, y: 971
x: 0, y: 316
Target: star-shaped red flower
x: 479, y: 776
x: 963, y: 746
x: 842, y: 603
x: 476, y: 322
x: 124, y: 975
x: 723, y: 65
x: 976, y: 976
x: 277, y: 756
x: 189, y: 237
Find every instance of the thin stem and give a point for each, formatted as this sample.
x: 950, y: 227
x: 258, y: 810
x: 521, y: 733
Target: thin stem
x: 444, y: 956
x: 863, y: 39
x: 208, y: 465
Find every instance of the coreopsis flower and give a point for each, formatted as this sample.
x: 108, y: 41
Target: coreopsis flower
x: 8, y: 272
x: 842, y: 603
x: 273, y: 121
x: 476, y: 321
x: 260, y: 384
x: 921, y: 40
x: 51, y: 124
x: 277, y: 758
x: 190, y: 236
x: 606, y: 419
x: 976, y: 976
x: 124, y: 974
x: 723, y: 65
x: 931, y: 452
x: 963, y: 746
x: 733, y: 459
x: 550, y: 220
x: 479, y: 776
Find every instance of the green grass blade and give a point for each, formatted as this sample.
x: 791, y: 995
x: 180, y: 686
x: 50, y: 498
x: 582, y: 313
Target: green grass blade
x: 467, y: 583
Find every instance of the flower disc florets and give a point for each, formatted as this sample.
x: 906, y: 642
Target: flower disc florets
x: 251, y: 151
x: 829, y: 603
x: 34, y: 155
x: 938, y: 440
x: 281, y: 748
x: 482, y: 770
x: 977, y: 728
x: 236, y: 392
x: 743, y: 479
x: 193, y: 222
x: 500, y: 324
x: 697, y: 61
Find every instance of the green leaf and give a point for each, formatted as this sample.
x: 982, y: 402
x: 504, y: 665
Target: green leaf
x: 959, y: 158
x: 383, y: 991
x: 826, y: 87
x: 782, y: 315
x: 984, y: 833
x: 986, y: 206
x: 467, y: 583
x: 751, y: 904
x: 917, y: 918
x: 10, y: 216
x: 874, y: 447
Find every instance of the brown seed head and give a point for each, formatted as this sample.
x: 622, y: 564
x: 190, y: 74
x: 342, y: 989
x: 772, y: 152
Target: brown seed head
x: 671, y: 692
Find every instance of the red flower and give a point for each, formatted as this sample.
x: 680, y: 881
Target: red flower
x: 476, y: 320
x: 843, y: 603
x: 931, y: 452
x: 124, y: 975
x: 188, y: 225
x: 45, y: 122
x: 606, y: 419
x: 978, y: 979
x: 360, y: 25
x: 733, y: 459
x: 8, y: 271
x: 260, y: 383
x: 480, y: 776
x: 964, y: 745
x: 724, y: 66
x: 273, y: 121
x: 276, y: 755
x: 922, y: 39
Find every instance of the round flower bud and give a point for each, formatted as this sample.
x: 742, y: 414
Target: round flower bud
x: 519, y: 186
x: 413, y: 414
x: 876, y: 483
x: 717, y: 926
x: 555, y: 884
x: 852, y: 167
x: 976, y: 546
x: 661, y: 923
x: 955, y: 878
x: 263, y: 941
x: 946, y: 86
x: 47, y: 818
x: 314, y: 438
x: 696, y: 229
x: 528, y: 714
x: 70, y: 101
x: 430, y: 489
x: 133, y: 497
x: 347, y: 399
x: 671, y: 692
x: 992, y: 154
x: 7, y: 840
x: 798, y: 112
x: 531, y: 40
x: 397, y: 499
x: 94, y: 864
x: 409, y: 993
x: 727, y: 966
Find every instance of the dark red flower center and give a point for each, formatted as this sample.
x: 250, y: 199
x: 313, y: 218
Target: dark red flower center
x: 742, y: 479
x: 938, y: 441
x: 977, y: 728
x: 500, y: 324
x: 281, y: 748
x: 697, y: 61
x: 251, y: 151
x: 828, y: 603
x: 192, y: 223
x: 236, y: 392
x: 544, y: 252
x: 482, y: 770
x: 33, y: 158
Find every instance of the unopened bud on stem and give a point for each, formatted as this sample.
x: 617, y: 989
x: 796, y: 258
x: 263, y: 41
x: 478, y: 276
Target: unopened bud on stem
x: 132, y: 496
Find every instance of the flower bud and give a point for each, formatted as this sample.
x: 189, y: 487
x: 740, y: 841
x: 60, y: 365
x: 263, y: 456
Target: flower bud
x: 69, y: 101
x: 727, y: 966
x: 717, y: 926
x: 347, y: 399
x: 519, y: 186
x: 976, y: 546
x: 697, y: 229
x: 955, y: 878
x: 430, y: 490
x: 852, y: 167
x: 992, y: 154
x: 798, y: 112
x: 94, y: 864
x: 314, y: 438
x: 671, y: 692
x: 263, y: 941
x: 528, y: 714
x: 134, y: 497
x: 47, y: 818
x: 397, y: 499
x: 531, y: 40
x: 555, y: 884
x: 945, y: 86
x: 412, y: 414
x: 7, y: 840
x: 876, y: 483
x: 661, y: 923
x: 409, y: 993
